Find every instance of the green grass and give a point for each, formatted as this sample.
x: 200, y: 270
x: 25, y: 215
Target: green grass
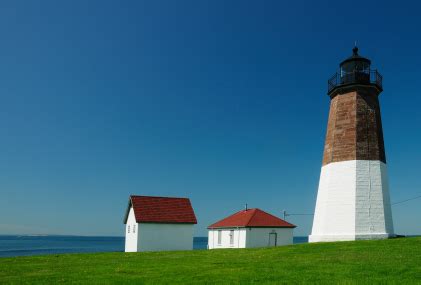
x: 396, y: 261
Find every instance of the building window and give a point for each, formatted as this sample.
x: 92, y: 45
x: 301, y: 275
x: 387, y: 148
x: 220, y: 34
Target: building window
x: 219, y: 237
x: 134, y: 229
x: 231, y: 237
x: 128, y: 229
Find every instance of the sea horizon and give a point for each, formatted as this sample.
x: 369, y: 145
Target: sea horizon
x: 30, y: 244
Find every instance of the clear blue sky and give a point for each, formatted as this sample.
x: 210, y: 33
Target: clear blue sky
x: 220, y: 101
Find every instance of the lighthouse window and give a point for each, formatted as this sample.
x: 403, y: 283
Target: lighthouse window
x: 134, y: 229
x: 363, y: 67
x: 128, y: 228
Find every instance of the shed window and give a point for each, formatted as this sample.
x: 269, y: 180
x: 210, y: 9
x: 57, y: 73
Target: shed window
x: 128, y: 228
x: 231, y: 237
x: 219, y: 237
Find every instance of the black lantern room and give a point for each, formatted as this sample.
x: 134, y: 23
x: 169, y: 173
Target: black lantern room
x: 354, y: 70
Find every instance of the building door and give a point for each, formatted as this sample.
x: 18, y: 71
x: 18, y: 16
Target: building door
x: 272, y: 239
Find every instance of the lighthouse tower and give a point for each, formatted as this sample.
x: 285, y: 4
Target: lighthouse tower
x: 353, y: 197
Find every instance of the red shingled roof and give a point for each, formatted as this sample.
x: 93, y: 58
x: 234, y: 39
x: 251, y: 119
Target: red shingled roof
x: 148, y: 209
x: 251, y: 218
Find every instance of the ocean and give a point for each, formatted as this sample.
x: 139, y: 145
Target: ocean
x: 24, y: 245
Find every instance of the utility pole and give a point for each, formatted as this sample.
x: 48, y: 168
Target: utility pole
x: 284, y: 212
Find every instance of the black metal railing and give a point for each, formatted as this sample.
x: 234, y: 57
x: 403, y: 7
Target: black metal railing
x: 355, y: 77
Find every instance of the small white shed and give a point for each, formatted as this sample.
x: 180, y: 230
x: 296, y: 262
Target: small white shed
x: 159, y: 223
x: 250, y: 228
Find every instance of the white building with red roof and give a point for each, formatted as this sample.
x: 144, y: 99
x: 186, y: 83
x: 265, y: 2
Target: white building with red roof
x: 159, y: 223
x: 250, y: 228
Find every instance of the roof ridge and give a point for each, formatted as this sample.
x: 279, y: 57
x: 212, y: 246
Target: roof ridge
x: 251, y: 218
x: 254, y: 213
x: 274, y: 216
x: 132, y: 195
x: 269, y: 214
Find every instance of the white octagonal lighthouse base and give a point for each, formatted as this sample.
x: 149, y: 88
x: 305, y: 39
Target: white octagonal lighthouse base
x: 352, y: 202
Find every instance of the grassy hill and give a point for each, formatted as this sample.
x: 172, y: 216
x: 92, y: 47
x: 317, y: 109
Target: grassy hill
x: 362, y: 262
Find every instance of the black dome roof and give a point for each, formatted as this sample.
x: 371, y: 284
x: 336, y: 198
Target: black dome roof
x: 355, y: 57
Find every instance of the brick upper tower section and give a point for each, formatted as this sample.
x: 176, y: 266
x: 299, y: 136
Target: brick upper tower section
x: 354, y: 130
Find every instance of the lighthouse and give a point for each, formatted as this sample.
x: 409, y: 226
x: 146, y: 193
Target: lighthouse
x: 353, y: 197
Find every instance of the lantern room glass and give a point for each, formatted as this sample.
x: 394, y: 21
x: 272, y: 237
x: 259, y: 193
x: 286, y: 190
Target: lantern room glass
x: 354, y: 71
x: 355, y: 66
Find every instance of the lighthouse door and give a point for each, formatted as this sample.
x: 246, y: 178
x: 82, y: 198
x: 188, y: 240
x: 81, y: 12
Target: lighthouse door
x: 272, y: 239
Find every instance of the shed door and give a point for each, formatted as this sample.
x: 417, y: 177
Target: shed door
x: 272, y: 239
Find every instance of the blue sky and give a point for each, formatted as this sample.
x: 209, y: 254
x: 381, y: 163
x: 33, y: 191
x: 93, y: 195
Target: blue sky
x: 220, y: 101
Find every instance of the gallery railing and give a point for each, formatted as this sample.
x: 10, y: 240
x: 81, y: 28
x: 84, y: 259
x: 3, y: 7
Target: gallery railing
x: 355, y: 77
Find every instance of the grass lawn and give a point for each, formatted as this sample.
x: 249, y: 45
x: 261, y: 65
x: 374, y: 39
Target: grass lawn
x: 395, y: 261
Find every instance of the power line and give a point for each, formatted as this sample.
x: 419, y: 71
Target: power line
x: 400, y: 202
x: 284, y: 212
x: 288, y: 214
x: 407, y: 200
